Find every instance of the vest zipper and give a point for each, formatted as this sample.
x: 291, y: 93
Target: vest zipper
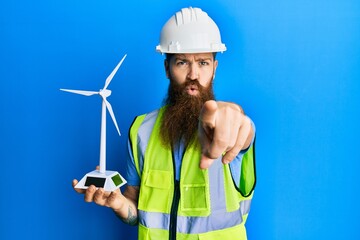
x: 173, y: 213
x: 175, y: 203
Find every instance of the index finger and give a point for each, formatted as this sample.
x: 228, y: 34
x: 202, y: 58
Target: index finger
x: 208, y: 114
x: 213, y: 134
x: 207, y: 122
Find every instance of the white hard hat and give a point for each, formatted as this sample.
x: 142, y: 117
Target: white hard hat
x: 190, y: 30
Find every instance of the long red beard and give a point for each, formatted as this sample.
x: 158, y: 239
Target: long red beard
x: 181, y: 115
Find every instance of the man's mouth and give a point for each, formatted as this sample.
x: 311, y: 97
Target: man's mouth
x: 192, y: 89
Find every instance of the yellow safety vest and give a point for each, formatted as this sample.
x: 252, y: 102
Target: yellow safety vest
x: 204, y: 204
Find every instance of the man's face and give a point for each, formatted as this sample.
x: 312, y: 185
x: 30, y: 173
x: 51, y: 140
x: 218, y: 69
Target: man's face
x: 191, y: 77
x: 186, y: 69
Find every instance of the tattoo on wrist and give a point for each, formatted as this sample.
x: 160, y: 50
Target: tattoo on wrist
x: 132, y: 218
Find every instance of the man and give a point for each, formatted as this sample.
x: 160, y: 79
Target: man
x: 191, y: 173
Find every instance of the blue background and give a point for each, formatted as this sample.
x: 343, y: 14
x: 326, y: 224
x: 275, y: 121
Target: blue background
x: 293, y: 65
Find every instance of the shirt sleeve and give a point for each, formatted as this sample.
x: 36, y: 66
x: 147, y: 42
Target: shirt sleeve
x: 133, y: 178
x: 243, y: 168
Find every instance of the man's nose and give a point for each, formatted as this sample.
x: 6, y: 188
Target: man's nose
x: 193, y: 72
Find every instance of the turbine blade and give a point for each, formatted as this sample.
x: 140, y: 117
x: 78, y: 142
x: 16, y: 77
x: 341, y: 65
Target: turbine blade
x: 82, y: 92
x: 108, y: 106
x: 112, y: 74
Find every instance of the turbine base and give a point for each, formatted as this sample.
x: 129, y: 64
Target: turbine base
x: 109, y: 181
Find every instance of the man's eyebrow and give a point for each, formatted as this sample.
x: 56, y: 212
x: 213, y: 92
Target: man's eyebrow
x: 180, y: 57
x: 204, y: 58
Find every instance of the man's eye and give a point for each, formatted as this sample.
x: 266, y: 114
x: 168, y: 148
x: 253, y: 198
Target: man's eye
x: 181, y: 63
x: 203, y: 63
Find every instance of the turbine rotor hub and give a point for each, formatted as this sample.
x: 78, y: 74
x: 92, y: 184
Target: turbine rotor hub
x: 105, y: 92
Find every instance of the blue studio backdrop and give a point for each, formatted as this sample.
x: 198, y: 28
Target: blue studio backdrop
x: 294, y: 66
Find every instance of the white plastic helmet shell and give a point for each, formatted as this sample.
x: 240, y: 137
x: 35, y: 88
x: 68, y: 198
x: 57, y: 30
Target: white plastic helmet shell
x: 190, y: 30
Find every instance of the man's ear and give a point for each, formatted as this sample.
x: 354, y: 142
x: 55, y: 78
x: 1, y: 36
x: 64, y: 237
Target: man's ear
x: 167, y: 68
x: 215, y: 66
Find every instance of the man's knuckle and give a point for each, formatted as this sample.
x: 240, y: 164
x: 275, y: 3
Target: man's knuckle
x: 230, y: 155
x: 221, y: 142
x: 88, y: 198
x: 239, y: 144
x: 213, y: 155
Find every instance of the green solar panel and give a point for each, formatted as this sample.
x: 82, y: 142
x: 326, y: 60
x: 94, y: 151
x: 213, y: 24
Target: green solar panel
x: 117, y: 180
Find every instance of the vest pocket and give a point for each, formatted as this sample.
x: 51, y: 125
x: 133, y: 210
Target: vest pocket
x: 194, y: 199
x: 155, y: 194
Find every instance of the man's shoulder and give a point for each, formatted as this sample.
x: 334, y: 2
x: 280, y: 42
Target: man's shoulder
x: 151, y: 114
x: 148, y: 115
x: 146, y: 118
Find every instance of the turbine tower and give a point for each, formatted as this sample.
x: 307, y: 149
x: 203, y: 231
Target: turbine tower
x: 109, y: 180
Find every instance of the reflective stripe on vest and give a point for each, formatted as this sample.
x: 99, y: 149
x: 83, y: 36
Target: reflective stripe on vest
x: 226, y: 206
x: 193, y: 225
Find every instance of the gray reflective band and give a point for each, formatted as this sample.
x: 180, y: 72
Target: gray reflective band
x: 194, y: 225
x: 154, y: 220
x: 191, y: 225
x: 144, y: 133
x: 210, y: 223
x: 245, y: 206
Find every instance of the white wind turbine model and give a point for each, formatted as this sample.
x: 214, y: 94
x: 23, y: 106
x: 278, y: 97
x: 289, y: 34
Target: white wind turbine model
x: 109, y: 180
